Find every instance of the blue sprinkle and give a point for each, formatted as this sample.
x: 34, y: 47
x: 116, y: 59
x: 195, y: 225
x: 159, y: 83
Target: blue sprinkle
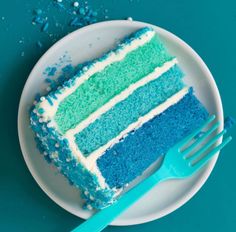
x: 40, y: 110
x: 94, y: 13
x: 54, y: 96
x: 38, y: 20
x: 68, y: 69
x: 229, y: 122
x: 52, y: 71
x: 37, y: 97
x: 39, y: 44
x: 90, y: 12
x: 59, y: 4
x: 87, y: 18
x: 38, y: 11
x: 82, y: 11
x: 45, y: 27
x: 49, y: 101
x: 73, y: 21
x: 93, y: 21
x: 48, y: 159
x: 48, y: 80
x: 78, y: 24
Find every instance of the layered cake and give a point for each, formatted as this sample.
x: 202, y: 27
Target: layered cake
x: 105, y: 126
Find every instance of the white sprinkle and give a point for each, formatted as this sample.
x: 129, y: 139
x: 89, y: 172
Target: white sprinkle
x: 22, y: 54
x: 45, y: 153
x: 59, y: 0
x: 67, y: 159
x: 3, y: 18
x: 76, y: 4
x: 35, y: 102
x: 41, y: 120
x: 42, y: 98
x: 86, y: 192
x: 57, y: 145
x: 91, y: 198
x: 85, y: 68
x: 130, y: 18
x: 35, y: 111
x: 49, y: 125
x: 89, y: 207
x: 48, y: 88
x: 54, y: 155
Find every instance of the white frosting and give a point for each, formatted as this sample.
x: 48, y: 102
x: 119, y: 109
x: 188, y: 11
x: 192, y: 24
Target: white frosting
x: 98, y: 66
x: 123, y: 95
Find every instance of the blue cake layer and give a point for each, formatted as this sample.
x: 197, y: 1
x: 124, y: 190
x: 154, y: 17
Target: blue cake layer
x: 128, y: 159
x: 118, y: 118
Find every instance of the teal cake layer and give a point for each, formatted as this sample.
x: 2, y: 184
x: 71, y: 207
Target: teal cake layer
x: 139, y: 103
x: 103, y: 86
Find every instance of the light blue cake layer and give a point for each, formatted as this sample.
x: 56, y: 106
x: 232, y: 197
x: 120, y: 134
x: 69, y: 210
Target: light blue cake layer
x: 139, y: 103
x: 130, y: 157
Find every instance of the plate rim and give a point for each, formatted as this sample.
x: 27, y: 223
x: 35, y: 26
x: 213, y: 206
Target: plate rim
x: 195, y: 188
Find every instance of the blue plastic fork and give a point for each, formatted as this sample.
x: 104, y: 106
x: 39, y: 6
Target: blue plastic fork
x: 179, y: 162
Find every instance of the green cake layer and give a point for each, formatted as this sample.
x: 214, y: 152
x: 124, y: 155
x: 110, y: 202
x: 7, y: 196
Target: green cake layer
x: 104, y: 85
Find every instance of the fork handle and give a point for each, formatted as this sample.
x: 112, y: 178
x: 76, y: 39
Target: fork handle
x: 104, y: 217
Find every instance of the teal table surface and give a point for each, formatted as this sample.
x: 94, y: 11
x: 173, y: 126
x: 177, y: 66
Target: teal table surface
x: 207, y: 26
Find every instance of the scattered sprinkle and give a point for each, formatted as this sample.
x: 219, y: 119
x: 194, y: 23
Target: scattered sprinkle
x: 3, y: 18
x: 38, y: 11
x: 45, y: 26
x: 75, y: 4
x: 76, y: 14
x: 22, y: 54
x: 229, y: 122
x: 57, y: 145
x: 82, y: 11
x: 39, y: 44
x: 130, y: 18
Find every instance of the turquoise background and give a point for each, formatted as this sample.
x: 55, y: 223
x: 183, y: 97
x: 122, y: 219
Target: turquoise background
x: 208, y: 26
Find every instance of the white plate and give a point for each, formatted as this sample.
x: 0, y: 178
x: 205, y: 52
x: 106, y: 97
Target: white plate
x: 85, y: 44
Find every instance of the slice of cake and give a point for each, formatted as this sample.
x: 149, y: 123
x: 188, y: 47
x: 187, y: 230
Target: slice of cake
x: 118, y: 115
